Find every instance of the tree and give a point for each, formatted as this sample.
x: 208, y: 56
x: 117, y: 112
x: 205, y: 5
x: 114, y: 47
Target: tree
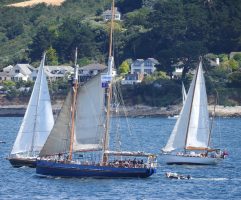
x: 233, y: 64
x: 41, y: 42
x: 128, y: 6
x: 237, y: 57
x: 235, y: 79
x: 124, y: 67
x: 72, y: 34
x: 51, y: 56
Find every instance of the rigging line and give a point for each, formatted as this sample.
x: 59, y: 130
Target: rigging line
x: 129, y: 126
x: 118, y: 135
x: 125, y: 111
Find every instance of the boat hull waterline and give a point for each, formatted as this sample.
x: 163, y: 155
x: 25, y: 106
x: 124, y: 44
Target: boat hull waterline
x: 20, y: 162
x: 51, y: 168
x: 190, y: 160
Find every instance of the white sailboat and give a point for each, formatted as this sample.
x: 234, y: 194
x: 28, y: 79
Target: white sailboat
x: 36, y: 125
x: 189, y: 142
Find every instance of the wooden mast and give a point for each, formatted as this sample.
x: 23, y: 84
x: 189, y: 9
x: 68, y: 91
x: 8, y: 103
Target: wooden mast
x: 73, y: 108
x: 109, y: 90
x: 189, y: 116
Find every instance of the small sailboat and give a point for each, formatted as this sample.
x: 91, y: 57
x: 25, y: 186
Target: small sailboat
x: 189, y: 142
x: 36, y: 125
x: 78, y: 145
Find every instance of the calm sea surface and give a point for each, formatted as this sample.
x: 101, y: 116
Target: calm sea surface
x: 149, y: 134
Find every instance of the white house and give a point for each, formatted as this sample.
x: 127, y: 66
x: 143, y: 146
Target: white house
x: 54, y: 73
x: 144, y: 66
x: 86, y: 72
x: 178, y: 72
x: 26, y: 72
x: 108, y: 13
x: 16, y: 73
x: 7, y: 69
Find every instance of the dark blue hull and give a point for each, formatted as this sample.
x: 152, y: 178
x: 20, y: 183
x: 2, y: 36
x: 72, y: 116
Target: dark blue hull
x: 51, y: 168
x: 20, y: 162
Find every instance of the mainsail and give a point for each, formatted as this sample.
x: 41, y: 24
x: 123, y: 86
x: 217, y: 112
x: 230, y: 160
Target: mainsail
x: 88, y: 121
x: 89, y: 126
x: 198, y: 130
x: 38, y: 119
x: 192, y: 127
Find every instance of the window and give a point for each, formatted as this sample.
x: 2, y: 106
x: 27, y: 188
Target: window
x: 137, y: 70
x: 17, y: 71
x: 147, y: 71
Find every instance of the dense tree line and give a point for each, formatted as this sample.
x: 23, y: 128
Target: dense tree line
x: 172, y: 31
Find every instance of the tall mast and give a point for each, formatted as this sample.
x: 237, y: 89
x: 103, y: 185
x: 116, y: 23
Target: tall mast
x: 73, y: 107
x: 189, y: 116
x: 36, y: 111
x: 109, y: 89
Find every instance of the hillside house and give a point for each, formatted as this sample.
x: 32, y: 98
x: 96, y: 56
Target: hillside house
x: 177, y: 73
x: 144, y: 66
x: 54, y: 73
x: 108, y: 13
x: 19, y: 72
x: 88, y: 71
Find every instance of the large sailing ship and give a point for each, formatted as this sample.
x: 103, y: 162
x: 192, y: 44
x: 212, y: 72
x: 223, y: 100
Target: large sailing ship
x: 78, y: 145
x: 36, y: 125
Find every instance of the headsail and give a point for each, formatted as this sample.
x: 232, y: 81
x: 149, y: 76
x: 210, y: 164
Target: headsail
x: 59, y: 138
x: 38, y: 119
x: 198, y: 127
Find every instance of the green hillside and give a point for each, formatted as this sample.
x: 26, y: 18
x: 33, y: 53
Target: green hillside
x: 173, y: 31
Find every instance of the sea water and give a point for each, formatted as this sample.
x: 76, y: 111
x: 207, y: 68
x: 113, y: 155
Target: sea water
x: 222, y: 181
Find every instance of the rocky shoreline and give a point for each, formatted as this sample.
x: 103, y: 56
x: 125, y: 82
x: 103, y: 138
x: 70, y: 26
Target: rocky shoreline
x: 222, y: 111
x: 133, y: 111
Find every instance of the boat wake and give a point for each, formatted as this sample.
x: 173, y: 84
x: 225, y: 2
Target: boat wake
x: 211, y: 179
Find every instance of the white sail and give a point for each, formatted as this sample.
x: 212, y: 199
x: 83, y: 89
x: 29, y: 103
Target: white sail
x: 184, y: 94
x: 38, y: 119
x: 178, y: 135
x: 197, y: 130
x: 89, y: 124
